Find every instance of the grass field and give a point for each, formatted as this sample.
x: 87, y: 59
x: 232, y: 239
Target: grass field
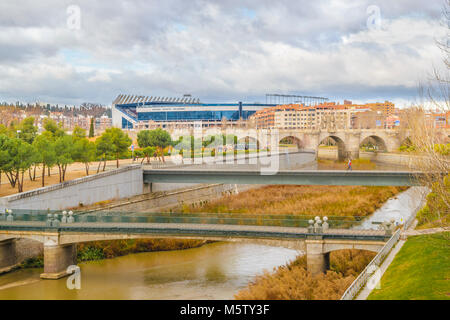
x: 420, y: 271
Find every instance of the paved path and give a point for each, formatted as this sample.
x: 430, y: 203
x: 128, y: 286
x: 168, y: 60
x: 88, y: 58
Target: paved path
x: 365, y: 292
x: 419, y: 232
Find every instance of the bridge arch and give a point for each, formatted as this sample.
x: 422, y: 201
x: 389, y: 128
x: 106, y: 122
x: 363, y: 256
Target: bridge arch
x: 248, y: 142
x: 291, y: 140
x: 334, y: 140
x: 374, y: 142
x: 334, y: 247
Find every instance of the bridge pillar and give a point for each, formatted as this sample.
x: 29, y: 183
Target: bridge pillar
x: 8, y: 259
x: 56, y: 260
x: 316, y: 260
x: 352, y: 145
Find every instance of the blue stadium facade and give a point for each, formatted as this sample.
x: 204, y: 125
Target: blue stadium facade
x: 128, y: 111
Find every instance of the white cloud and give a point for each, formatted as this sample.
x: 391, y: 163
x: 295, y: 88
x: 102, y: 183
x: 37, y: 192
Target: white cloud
x: 216, y: 50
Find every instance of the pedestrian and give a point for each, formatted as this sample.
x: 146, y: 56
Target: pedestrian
x: 349, y: 164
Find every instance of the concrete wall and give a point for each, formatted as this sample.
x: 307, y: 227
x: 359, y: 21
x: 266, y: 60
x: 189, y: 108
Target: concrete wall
x: 120, y: 183
x: 155, y: 202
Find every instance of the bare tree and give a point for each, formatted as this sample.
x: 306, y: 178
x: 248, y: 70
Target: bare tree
x: 429, y: 136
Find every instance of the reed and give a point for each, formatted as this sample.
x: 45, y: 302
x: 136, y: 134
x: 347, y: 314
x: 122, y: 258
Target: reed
x: 294, y: 282
x: 301, y: 200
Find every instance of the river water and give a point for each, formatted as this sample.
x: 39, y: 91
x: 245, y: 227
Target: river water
x: 214, y: 271
x: 398, y: 208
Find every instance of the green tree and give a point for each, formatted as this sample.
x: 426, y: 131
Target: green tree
x: 78, y: 133
x: 63, y: 150
x: 28, y: 130
x: 53, y: 128
x: 157, y: 138
x: 4, y: 154
x: 119, y: 142
x: 17, y: 157
x: 91, y: 128
x: 104, y: 148
x: 84, y: 151
x: 45, y: 149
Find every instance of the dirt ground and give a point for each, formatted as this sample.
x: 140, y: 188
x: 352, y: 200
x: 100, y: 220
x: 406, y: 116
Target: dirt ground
x: 74, y: 171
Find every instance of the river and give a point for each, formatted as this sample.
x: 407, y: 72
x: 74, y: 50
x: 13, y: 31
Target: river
x: 213, y: 271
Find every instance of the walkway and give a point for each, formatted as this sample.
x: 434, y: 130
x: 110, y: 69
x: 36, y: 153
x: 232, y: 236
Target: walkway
x: 365, y: 292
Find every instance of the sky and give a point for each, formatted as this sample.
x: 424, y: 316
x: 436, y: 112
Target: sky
x: 70, y: 52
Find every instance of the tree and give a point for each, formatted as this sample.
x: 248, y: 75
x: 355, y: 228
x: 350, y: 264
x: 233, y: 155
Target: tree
x: 78, y: 133
x: 91, y: 128
x: 17, y: 156
x: 84, y: 151
x: 433, y: 162
x: 52, y: 128
x: 45, y: 150
x: 4, y: 154
x: 63, y: 151
x: 118, y: 142
x: 157, y: 138
x: 28, y: 130
x: 104, y: 149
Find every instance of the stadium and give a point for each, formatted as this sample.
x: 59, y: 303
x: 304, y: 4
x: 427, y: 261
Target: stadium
x: 130, y: 110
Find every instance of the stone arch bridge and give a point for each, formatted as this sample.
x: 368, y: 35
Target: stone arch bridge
x: 347, y: 141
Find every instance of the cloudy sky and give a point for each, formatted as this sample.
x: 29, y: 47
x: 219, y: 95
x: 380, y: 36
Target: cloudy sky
x: 69, y: 52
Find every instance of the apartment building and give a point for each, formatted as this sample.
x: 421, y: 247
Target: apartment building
x: 323, y: 116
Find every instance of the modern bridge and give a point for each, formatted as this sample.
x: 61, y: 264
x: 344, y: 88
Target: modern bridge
x: 294, y: 177
x: 60, y: 241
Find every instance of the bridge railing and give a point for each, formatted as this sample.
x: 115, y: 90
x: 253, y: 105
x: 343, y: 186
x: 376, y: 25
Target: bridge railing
x: 371, y: 268
x: 229, y: 219
x: 281, y: 220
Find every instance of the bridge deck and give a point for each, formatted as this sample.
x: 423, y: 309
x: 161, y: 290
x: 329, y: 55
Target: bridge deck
x: 188, y: 229
x: 295, y: 177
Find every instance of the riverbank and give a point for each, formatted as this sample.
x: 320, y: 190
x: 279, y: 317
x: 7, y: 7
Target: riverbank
x: 420, y: 270
x: 294, y: 282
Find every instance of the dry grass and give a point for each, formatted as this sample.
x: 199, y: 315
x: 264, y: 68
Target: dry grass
x: 294, y: 282
x: 302, y: 200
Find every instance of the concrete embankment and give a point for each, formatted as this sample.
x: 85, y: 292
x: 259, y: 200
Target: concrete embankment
x: 115, y: 184
x: 164, y: 200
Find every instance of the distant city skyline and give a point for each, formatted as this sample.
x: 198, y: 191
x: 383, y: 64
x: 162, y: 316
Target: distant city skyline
x: 70, y: 52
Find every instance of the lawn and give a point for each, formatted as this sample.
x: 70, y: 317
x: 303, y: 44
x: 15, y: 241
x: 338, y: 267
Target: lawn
x: 420, y: 271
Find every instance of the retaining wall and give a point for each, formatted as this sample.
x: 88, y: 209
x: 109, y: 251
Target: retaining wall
x: 115, y: 184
